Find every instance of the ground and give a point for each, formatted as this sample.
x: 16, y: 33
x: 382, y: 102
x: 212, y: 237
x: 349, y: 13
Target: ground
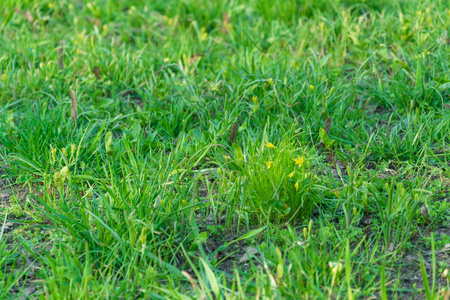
x: 224, y: 149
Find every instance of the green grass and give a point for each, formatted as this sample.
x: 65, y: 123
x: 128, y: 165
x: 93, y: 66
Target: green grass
x: 224, y: 149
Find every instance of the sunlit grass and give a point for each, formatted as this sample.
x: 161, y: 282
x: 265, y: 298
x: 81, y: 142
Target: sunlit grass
x: 224, y: 149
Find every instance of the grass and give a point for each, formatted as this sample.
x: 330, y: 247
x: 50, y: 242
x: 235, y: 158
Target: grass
x: 224, y: 149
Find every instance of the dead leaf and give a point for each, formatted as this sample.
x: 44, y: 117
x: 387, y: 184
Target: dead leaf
x: 424, y: 211
x: 73, y: 112
x: 6, y: 226
x: 191, y: 280
x: 391, y: 248
x: 328, y: 124
x: 96, y: 72
x: 94, y: 21
x: 61, y: 56
x: 233, y: 133
x: 225, y: 23
x: 444, y: 249
x: 29, y: 16
x: 249, y: 252
x: 446, y: 295
x: 194, y: 58
x: 26, y: 14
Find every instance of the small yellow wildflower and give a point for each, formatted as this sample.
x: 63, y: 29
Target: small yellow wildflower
x: 311, y: 87
x: 291, y: 175
x: 336, y: 193
x: 268, y: 164
x: 270, y: 145
x: 296, y: 186
x: 299, y: 161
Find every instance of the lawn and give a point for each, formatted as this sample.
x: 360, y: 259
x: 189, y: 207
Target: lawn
x: 190, y: 149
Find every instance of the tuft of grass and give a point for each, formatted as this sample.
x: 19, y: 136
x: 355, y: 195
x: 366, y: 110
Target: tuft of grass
x: 280, y: 182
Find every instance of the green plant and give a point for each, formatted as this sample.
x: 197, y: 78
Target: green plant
x: 280, y: 181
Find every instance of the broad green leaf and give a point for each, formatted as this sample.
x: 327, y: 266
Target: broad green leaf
x: 136, y: 130
x: 108, y: 143
x: 199, y: 239
x: 178, y: 171
x: 238, y: 156
x: 64, y: 173
x: 325, y: 139
x: 211, y: 278
x: 324, y: 136
x: 248, y: 235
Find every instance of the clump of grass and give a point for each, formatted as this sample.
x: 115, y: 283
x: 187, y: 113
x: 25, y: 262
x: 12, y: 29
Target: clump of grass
x: 280, y: 183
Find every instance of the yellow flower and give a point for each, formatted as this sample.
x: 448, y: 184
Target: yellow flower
x: 291, y: 175
x: 296, y: 186
x: 270, y: 145
x: 268, y: 164
x: 299, y: 161
x: 311, y: 87
x: 336, y: 193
